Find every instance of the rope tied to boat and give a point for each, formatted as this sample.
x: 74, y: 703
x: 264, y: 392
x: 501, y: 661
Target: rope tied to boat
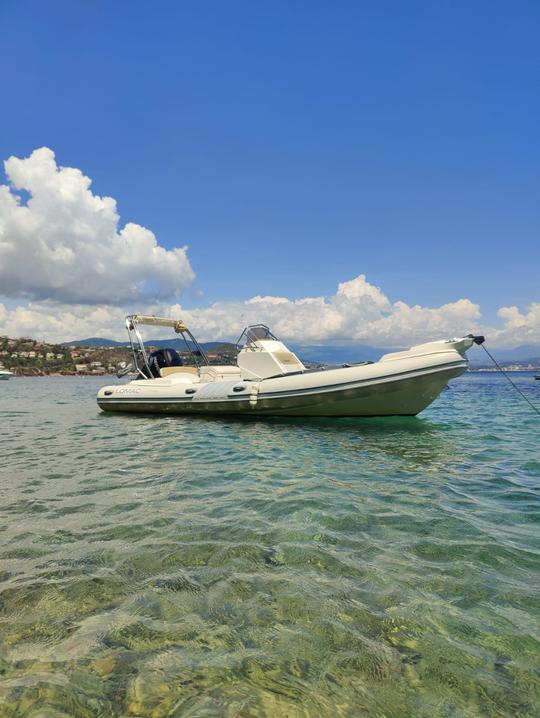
x: 499, y: 367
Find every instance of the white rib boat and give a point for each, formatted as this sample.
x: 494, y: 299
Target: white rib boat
x: 5, y: 373
x: 270, y: 380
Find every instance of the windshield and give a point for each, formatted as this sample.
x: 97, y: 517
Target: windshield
x: 253, y: 333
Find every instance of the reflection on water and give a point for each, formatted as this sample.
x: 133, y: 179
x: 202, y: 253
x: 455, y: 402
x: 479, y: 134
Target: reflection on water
x: 280, y: 567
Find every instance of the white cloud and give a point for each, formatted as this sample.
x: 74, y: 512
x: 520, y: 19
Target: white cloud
x: 56, y: 322
x: 65, y: 243
x: 361, y: 314
x: 77, y: 274
x: 519, y: 328
x: 357, y: 312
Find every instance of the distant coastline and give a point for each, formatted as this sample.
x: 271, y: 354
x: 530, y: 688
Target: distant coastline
x: 30, y: 357
x: 509, y: 369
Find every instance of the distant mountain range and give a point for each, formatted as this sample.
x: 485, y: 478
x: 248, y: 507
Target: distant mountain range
x: 178, y: 344
x: 337, y: 354
x: 521, y: 353
x: 94, y: 342
x: 322, y: 354
x: 522, y: 356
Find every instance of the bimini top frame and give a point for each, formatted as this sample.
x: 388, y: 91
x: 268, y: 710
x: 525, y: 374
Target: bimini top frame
x: 138, y: 350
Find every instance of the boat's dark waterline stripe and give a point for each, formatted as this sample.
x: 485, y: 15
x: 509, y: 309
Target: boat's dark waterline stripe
x: 283, y: 394
x: 180, y: 399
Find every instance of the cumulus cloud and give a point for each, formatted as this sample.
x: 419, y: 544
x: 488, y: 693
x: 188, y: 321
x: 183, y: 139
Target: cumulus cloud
x: 519, y: 327
x: 52, y: 321
x: 64, y: 243
x: 77, y: 273
x: 357, y: 312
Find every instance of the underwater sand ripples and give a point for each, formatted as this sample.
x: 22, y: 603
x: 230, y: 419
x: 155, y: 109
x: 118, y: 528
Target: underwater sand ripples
x: 191, y: 567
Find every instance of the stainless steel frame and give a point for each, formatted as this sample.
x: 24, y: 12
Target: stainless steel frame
x: 254, y: 332
x: 138, y: 350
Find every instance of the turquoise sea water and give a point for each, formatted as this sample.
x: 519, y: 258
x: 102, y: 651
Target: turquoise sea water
x: 217, y: 567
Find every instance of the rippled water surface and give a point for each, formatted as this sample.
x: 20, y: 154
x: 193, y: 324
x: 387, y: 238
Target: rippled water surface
x: 216, y: 567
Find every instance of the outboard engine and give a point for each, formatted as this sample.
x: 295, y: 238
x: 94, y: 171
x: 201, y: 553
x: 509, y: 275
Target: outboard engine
x: 163, y: 358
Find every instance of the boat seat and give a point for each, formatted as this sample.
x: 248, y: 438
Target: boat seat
x: 219, y: 372
x: 167, y: 370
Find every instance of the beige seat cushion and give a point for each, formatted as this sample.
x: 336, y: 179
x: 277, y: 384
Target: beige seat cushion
x: 218, y: 372
x: 222, y: 369
x: 174, y: 369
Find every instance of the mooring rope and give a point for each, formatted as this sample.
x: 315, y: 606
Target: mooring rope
x: 510, y: 380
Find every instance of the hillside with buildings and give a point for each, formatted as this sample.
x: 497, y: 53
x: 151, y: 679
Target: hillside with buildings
x: 30, y: 357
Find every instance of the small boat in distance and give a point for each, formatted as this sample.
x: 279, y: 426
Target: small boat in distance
x: 270, y: 380
x: 5, y: 373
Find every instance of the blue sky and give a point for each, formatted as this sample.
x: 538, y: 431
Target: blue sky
x: 295, y: 145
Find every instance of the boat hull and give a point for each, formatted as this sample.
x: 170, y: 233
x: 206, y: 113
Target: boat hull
x: 404, y: 394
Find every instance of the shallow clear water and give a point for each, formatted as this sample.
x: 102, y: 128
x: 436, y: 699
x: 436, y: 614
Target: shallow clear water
x: 218, y: 567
